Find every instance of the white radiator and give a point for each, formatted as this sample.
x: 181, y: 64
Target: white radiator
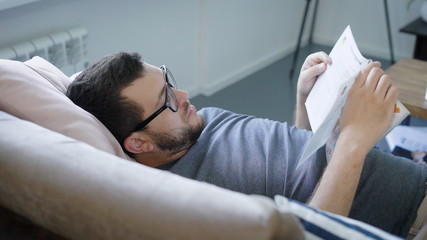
x: 66, y: 49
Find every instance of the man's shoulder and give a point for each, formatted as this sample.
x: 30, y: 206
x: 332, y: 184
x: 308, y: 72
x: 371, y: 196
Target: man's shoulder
x: 214, y: 116
x: 212, y: 112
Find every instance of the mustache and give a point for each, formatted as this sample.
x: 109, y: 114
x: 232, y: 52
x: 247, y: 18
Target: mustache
x: 186, y: 106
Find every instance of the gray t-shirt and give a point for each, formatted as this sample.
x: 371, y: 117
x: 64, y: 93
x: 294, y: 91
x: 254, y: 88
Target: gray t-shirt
x: 259, y: 156
x: 250, y: 155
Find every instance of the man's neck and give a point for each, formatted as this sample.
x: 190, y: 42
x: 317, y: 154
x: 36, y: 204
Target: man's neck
x: 155, y: 159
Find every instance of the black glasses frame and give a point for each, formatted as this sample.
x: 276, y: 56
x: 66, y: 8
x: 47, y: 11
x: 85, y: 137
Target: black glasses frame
x: 169, y: 95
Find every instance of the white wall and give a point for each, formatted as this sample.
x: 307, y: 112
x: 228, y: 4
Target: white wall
x: 209, y: 44
x: 368, y: 23
x: 164, y: 32
x: 242, y: 37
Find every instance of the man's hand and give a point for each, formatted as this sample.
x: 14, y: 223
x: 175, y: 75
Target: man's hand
x: 369, y: 107
x: 314, y: 65
x: 365, y: 118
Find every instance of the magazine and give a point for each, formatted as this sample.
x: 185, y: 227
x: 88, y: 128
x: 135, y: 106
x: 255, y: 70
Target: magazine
x: 330, y: 92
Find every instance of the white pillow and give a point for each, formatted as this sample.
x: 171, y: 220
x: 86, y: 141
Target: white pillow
x: 324, y: 225
x: 35, y: 91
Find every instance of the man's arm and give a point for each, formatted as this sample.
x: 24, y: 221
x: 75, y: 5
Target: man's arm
x: 364, y: 119
x: 314, y: 65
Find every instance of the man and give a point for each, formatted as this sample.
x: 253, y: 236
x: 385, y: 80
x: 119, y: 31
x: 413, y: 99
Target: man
x: 157, y: 125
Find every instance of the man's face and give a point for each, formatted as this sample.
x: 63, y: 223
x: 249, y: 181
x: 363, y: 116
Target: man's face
x: 172, y: 132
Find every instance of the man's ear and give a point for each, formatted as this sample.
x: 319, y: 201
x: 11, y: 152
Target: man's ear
x: 137, y: 143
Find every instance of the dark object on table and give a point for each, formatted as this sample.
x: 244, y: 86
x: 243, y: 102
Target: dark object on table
x: 401, y: 152
x: 419, y: 28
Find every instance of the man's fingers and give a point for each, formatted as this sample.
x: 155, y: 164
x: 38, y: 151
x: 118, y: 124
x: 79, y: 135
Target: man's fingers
x: 322, y: 57
x: 383, y: 85
x: 373, y: 78
x: 316, y: 58
x: 363, y: 75
x: 315, y: 70
x: 391, y: 98
x: 391, y: 94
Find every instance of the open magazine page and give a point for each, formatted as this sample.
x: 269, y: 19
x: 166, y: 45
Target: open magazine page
x: 329, y: 93
x: 335, y: 82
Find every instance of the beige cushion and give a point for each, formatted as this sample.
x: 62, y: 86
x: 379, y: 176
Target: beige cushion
x: 35, y: 91
x: 80, y: 192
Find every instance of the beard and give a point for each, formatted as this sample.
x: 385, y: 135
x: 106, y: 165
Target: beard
x: 178, y: 140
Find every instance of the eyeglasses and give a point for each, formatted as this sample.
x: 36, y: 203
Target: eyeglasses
x: 170, y: 99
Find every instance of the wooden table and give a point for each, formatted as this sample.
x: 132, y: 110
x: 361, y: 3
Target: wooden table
x: 410, y: 76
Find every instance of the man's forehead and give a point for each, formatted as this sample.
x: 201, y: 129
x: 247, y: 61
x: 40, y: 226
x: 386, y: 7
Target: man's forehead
x: 151, y: 73
x: 146, y: 87
x: 150, y: 67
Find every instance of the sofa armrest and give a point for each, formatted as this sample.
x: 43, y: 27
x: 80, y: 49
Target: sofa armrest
x: 80, y: 192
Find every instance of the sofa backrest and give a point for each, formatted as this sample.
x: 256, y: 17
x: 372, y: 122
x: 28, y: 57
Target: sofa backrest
x: 81, y: 192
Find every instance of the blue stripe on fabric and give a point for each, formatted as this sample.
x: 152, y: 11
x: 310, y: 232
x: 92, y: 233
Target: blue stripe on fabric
x: 318, y: 231
x: 349, y: 225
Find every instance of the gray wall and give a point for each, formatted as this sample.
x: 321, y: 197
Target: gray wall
x: 209, y: 44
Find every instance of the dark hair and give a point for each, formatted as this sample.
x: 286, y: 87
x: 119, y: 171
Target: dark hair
x: 97, y: 90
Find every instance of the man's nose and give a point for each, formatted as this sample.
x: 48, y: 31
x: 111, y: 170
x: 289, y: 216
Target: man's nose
x: 181, y: 96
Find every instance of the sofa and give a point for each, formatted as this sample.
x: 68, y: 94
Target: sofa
x: 62, y: 170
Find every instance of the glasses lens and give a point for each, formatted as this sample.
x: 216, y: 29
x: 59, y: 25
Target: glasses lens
x: 172, y: 99
x: 170, y: 79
